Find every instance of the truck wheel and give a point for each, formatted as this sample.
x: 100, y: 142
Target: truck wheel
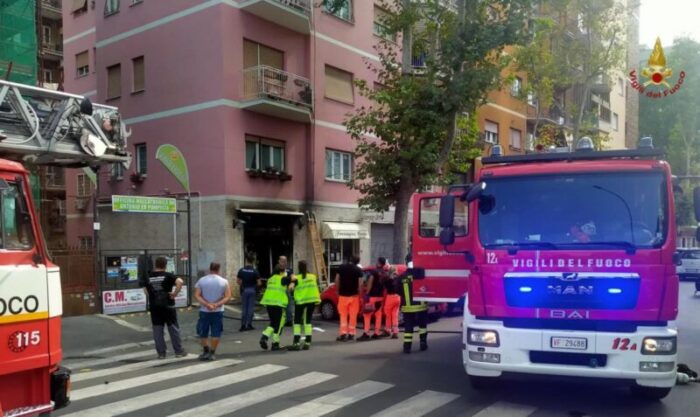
x: 650, y: 393
x: 328, y: 310
x: 481, y: 382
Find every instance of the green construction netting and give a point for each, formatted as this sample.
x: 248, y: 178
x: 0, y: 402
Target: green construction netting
x: 18, y: 43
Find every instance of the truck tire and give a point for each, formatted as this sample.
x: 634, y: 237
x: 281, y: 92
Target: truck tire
x: 650, y: 393
x: 481, y: 382
x: 328, y: 311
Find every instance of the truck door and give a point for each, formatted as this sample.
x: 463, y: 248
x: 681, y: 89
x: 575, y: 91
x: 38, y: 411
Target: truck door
x: 446, y: 274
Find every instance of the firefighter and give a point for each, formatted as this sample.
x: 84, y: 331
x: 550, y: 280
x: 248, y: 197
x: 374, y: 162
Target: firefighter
x: 275, y: 299
x: 306, y: 297
x: 413, y: 313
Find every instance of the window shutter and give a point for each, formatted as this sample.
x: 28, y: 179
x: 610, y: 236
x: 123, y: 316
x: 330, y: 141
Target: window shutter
x: 139, y: 74
x: 491, y: 127
x: 250, y: 54
x: 339, y: 85
x: 114, y: 82
x: 271, y: 57
x: 78, y: 5
x: 82, y: 60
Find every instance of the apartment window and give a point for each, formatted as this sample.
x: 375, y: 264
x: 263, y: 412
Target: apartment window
x: 85, y: 242
x: 261, y: 153
x: 46, y: 34
x: 339, y: 85
x: 141, y: 159
x: 339, y: 8
x: 531, y: 100
x: 516, y: 87
x: 615, y: 121
x: 381, y: 28
x: 117, y: 171
x: 491, y: 132
x: 139, y: 70
x: 114, y: 81
x: 338, y: 165
x: 82, y: 64
x: 621, y: 86
x: 48, y: 76
x: 111, y: 7
x: 84, y: 186
x: 255, y: 54
x: 79, y: 7
x: 515, y: 138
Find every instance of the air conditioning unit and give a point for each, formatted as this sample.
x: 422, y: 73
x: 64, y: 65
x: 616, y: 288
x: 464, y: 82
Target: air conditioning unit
x: 81, y: 203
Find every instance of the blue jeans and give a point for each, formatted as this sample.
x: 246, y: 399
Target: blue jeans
x: 248, y: 300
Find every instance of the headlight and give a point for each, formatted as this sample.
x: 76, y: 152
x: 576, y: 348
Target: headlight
x: 480, y: 337
x: 659, y: 346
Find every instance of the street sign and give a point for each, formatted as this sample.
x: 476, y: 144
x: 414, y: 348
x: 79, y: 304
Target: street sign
x: 137, y: 204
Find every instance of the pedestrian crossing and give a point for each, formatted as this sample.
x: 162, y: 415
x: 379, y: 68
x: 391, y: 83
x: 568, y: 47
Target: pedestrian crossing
x: 184, y: 387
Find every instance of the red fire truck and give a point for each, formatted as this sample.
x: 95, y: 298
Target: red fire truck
x: 49, y: 128
x: 567, y: 261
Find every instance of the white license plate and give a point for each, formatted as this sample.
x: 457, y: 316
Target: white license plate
x: 574, y: 343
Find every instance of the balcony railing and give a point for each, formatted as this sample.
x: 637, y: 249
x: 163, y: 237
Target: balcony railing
x: 274, y: 84
x: 53, y: 49
x: 292, y: 14
x: 302, y: 6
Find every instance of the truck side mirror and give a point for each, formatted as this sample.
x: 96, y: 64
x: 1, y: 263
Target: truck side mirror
x: 696, y: 203
x: 447, y: 236
x: 447, y: 211
x: 476, y: 191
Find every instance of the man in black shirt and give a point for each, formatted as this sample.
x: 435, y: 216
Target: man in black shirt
x: 248, y: 278
x: 348, y: 281
x: 162, y: 288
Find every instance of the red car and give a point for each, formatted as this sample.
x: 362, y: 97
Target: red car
x: 329, y: 298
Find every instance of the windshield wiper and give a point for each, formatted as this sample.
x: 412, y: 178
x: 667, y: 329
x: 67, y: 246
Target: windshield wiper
x: 514, y: 247
x: 629, y: 247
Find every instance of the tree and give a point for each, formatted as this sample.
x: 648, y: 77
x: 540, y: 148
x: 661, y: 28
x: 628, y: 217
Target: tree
x: 420, y: 126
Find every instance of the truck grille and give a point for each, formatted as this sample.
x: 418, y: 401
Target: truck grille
x: 565, y: 358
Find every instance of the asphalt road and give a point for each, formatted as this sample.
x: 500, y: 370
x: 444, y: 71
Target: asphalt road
x: 115, y: 373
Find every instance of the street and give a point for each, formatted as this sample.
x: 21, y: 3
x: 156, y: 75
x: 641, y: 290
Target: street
x: 340, y: 379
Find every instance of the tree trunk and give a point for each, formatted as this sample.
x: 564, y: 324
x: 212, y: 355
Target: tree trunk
x: 581, y: 112
x: 401, y: 222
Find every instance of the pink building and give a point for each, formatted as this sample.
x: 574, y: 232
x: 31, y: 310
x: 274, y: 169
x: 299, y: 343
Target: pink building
x: 254, y: 93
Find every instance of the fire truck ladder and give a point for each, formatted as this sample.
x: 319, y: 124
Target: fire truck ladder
x: 317, y: 245
x: 46, y: 127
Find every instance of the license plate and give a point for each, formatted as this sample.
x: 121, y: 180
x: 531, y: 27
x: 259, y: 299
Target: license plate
x: 574, y: 343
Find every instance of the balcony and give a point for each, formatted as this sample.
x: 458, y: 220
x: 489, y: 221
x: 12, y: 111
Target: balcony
x: 52, y: 51
x: 292, y: 14
x: 51, y: 9
x: 277, y: 93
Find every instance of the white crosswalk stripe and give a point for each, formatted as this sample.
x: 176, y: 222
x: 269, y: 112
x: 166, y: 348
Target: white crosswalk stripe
x: 246, y: 399
x: 110, y: 388
x: 89, y: 363
x: 336, y: 400
x: 504, y: 409
x: 101, y: 373
x: 418, y: 405
x: 171, y: 394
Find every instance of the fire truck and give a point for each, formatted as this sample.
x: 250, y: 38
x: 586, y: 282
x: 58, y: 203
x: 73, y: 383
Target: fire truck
x: 566, y: 261
x: 40, y: 127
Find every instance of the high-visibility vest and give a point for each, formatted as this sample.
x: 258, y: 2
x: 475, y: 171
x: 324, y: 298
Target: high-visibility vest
x: 306, y: 290
x: 407, y: 303
x: 275, y: 293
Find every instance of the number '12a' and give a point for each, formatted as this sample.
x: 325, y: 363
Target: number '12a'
x: 623, y: 344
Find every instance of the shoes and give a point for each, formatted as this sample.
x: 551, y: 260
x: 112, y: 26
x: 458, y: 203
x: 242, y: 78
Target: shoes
x: 242, y: 329
x: 363, y: 338
x: 249, y: 327
x: 181, y: 354
x: 375, y: 336
x: 161, y: 356
x: 263, y: 342
x: 211, y: 357
x: 385, y: 334
x: 395, y: 336
x: 276, y: 346
x: 295, y: 347
x: 204, y: 356
x: 342, y: 338
x: 306, y: 346
x: 351, y: 337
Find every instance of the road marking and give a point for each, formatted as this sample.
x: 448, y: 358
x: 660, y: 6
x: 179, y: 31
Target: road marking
x: 85, y: 376
x: 110, y: 349
x: 172, y: 394
x: 336, y: 400
x: 101, y: 361
x: 246, y: 399
x: 110, y: 388
x: 504, y: 409
x: 126, y: 324
x: 418, y: 405
x: 318, y: 329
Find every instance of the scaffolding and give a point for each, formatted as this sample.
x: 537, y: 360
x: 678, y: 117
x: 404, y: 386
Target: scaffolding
x: 18, y: 41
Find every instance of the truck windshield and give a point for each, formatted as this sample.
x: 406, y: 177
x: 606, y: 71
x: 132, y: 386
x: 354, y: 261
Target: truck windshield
x: 16, y: 223
x: 622, y: 210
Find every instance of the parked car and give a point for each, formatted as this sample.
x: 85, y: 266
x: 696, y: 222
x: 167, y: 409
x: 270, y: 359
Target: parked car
x: 689, y: 268
x: 329, y: 298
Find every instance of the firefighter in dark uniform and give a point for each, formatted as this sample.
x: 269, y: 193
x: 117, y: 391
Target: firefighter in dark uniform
x: 414, y: 313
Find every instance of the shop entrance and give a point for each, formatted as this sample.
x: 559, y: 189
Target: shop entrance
x: 266, y: 238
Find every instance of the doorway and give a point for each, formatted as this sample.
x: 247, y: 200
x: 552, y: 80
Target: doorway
x: 266, y: 238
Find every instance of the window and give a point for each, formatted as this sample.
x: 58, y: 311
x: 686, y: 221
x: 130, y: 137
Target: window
x: 46, y: 34
x: 139, y: 74
x: 141, y: 159
x: 79, y: 7
x: 381, y: 28
x: 255, y: 54
x: 111, y: 7
x: 16, y: 224
x: 491, y: 132
x: 339, y: 8
x: 264, y: 154
x: 430, y: 217
x: 339, y: 85
x: 85, y: 242
x: 117, y: 171
x: 114, y: 81
x: 84, y: 186
x: 615, y: 121
x: 48, y: 76
x: 82, y: 64
x: 515, y: 138
x: 516, y: 87
x: 621, y: 86
x: 338, y: 165
x: 531, y: 100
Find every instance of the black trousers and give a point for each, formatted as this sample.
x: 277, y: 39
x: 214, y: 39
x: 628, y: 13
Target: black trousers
x: 277, y: 319
x: 410, y: 320
x: 302, y: 311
